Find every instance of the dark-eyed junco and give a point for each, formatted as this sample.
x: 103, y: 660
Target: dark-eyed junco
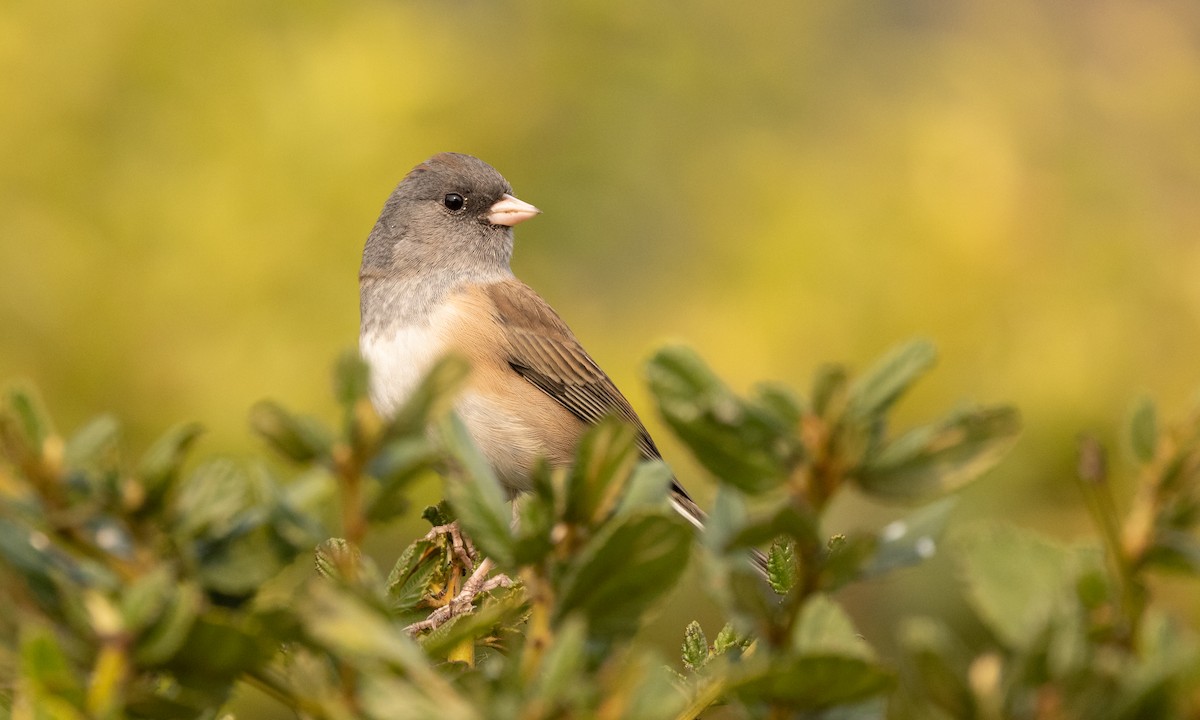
x: 435, y: 277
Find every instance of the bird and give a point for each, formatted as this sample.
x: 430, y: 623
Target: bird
x: 436, y: 277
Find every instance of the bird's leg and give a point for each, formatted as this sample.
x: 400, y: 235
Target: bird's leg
x: 478, y: 582
x: 460, y: 544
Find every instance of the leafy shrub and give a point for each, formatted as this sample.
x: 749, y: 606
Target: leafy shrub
x: 150, y: 587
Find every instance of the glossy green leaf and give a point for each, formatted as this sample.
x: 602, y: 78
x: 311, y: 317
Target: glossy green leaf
x: 1143, y: 430
x: 30, y: 420
x: 351, y: 379
x: 726, y: 639
x: 397, y: 466
x: 213, y: 496
x: 845, y: 557
x: 238, y: 565
x: 780, y: 401
x: 143, y: 600
x: 607, y: 454
x: 647, y: 487
x: 786, y: 519
x: 828, y: 389
x: 165, y: 638
x: 333, y: 556
x: 432, y: 396
x: 824, y: 628
x: 910, y: 541
x: 298, y: 438
x: 624, y: 569
x: 219, y: 647
x: 1016, y: 580
x: 358, y: 631
x: 408, y: 582
x: 557, y: 680
x: 815, y: 682
x: 96, y: 444
x: 503, y: 606
x: 939, y: 458
x: 781, y: 566
x: 45, y: 665
x: 874, y: 393
x: 475, y: 495
x: 938, y: 662
x: 739, y: 443
x: 695, y: 647
x: 159, y: 467
x: 535, y: 522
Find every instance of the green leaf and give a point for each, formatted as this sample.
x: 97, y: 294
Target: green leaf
x: 829, y: 389
x: 213, y: 496
x: 938, y: 662
x: 503, y: 606
x: 351, y: 379
x: 726, y: 639
x: 910, y: 541
x: 159, y: 467
x: 780, y: 401
x: 334, y: 555
x: 695, y: 647
x: 845, y: 557
x: 1016, y: 580
x: 627, y: 566
x: 740, y: 443
x: 606, y: 455
x: 557, y: 680
x: 787, y: 519
x: 355, y: 630
x: 219, y: 647
x: 824, y: 628
x: 781, y: 566
x: 1143, y: 430
x: 32, y: 422
x: 875, y: 392
x: 44, y: 664
x: 296, y: 437
x: 394, y: 698
x: 96, y: 444
x: 814, y: 682
x: 397, y: 466
x: 408, y: 582
x: 437, y: 515
x: 647, y: 487
x: 162, y: 640
x: 536, y: 520
x: 474, y: 494
x: 143, y: 600
x: 238, y: 565
x: 939, y: 458
x: 431, y: 398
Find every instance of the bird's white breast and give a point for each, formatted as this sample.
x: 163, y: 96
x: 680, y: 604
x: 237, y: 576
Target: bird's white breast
x: 399, y: 356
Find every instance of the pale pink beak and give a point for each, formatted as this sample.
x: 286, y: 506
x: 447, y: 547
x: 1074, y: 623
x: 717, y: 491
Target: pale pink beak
x: 509, y: 211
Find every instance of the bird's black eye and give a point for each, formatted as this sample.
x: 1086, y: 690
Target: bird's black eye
x: 453, y: 202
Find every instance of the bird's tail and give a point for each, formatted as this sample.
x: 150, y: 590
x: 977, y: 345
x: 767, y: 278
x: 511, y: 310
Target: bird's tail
x: 685, y: 506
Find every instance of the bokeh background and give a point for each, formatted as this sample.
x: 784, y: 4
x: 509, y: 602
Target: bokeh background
x: 185, y: 189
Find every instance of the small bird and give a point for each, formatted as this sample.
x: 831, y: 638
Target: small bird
x: 436, y: 277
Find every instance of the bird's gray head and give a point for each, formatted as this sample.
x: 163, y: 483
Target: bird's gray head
x: 452, y: 214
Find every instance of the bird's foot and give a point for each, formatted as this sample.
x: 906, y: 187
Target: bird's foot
x: 478, y: 583
x: 460, y: 544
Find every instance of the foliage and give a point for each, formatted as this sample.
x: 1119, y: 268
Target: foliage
x: 151, y: 587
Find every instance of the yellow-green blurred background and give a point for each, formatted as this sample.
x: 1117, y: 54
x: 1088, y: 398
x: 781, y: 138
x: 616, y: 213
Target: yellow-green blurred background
x: 185, y: 189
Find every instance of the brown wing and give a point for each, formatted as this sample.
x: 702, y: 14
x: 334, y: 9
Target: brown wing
x: 544, y: 351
